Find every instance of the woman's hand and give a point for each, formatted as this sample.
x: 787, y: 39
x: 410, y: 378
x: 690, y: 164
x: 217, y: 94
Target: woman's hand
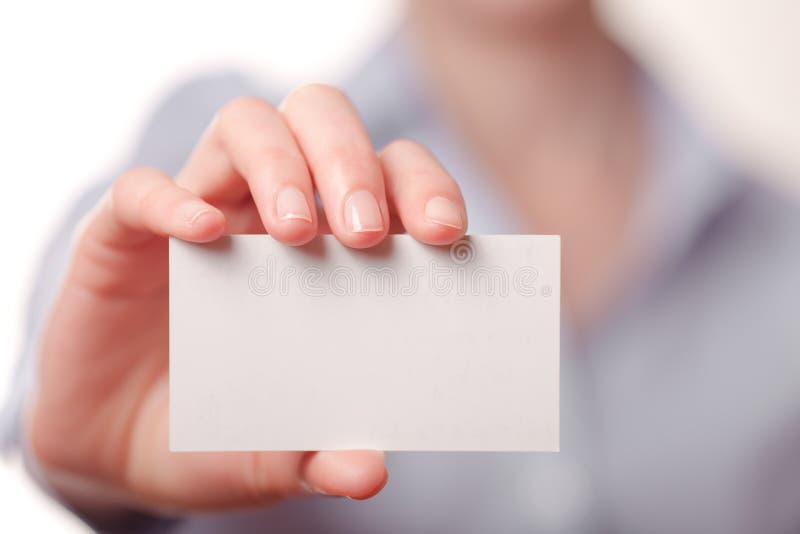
x: 98, y: 422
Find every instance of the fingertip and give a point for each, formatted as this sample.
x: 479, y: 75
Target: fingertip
x: 427, y: 199
x: 437, y: 234
x: 358, y: 474
x: 294, y: 232
x: 362, y: 239
x: 443, y: 221
x: 203, y: 222
x: 433, y: 232
x: 374, y: 488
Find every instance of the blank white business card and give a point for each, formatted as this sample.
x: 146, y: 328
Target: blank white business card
x: 401, y: 347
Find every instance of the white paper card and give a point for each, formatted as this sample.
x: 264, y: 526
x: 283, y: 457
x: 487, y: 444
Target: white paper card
x: 401, y: 347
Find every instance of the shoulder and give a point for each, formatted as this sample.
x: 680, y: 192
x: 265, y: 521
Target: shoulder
x: 743, y: 275
x: 760, y: 228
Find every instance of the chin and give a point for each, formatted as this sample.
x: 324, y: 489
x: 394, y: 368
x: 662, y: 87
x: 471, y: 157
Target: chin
x: 515, y: 11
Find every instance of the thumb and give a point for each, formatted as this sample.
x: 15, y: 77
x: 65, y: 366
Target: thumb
x: 219, y: 480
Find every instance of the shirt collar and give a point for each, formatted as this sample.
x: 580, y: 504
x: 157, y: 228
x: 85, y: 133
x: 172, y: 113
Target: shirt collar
x: 686, y: 182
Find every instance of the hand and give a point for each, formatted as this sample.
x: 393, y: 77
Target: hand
x: 98, y: 423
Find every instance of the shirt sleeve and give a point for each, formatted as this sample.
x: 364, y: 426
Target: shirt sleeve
x: 47, y: 281
x: 166, y: 141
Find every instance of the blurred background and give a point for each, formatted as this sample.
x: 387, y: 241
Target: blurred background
x: 80, y: 78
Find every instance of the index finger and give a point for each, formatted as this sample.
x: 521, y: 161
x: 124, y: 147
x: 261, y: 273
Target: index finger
x: 248, y: 150
x: 343, y: 163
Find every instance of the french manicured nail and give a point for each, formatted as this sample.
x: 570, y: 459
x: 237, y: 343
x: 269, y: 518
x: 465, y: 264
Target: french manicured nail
x: 308, y: 488
x: 443, y: 211
x: 362, y: 214
x: 194, y: 211
x: 291, y: 204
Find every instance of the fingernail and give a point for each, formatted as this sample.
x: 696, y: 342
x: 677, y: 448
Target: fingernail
x: 194, y: 211
x: 308, y: 488
x: 441, y: 210
x: 291, y: 204
x: 362, y: 214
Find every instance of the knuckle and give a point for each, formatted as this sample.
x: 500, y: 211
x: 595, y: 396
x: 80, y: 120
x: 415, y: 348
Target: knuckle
x: 128, y: 182
x: 238, y: 108
x: 400, y: 151
x: 39, y: 443
x: 422, y: 165
x: 137, y: 189
x: 256, y: 477
x: 134, y: 175
x: 150, y: 198
x: 312, y: 91
x: 403, y: 145
x: 355, y: 165
x: 271, y: 153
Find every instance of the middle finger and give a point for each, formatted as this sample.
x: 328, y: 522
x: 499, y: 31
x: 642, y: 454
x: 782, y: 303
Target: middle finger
x: 343, y: 163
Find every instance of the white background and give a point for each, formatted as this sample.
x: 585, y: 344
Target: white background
x: 78, y: 78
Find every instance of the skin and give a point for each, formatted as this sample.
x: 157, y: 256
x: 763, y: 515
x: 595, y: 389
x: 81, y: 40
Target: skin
x: 104, y: 352
x: 550, y: 105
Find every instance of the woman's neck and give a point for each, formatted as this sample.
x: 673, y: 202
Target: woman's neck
x: 551, y: 108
